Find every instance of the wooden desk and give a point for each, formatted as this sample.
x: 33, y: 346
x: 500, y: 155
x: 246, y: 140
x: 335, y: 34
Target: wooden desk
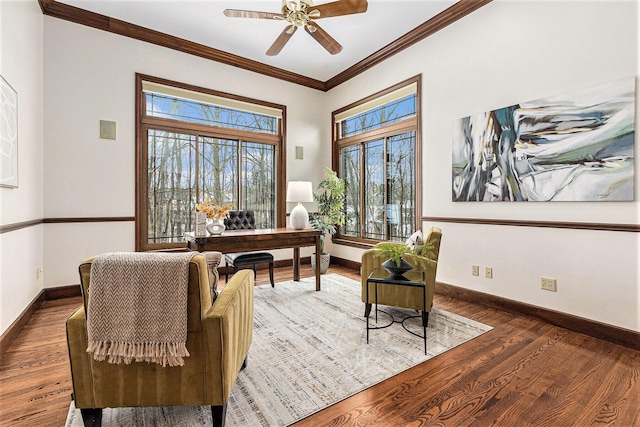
x: 232, y: 241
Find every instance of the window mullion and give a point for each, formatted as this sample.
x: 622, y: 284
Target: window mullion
x: 240, y: 174
x: 214, y: 131
x: 362, y: 190
x: 197, y: 168
x: 385, y: 179
x: 396, y: 128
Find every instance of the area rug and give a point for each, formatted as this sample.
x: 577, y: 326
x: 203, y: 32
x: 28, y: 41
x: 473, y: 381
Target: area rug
x: 309, y: 351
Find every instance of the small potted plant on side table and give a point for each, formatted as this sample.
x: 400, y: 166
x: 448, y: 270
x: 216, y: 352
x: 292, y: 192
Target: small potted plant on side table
x: 394, y: 253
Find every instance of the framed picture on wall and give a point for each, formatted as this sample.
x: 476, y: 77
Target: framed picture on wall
x: 578, y: 146
x: 8, y: 135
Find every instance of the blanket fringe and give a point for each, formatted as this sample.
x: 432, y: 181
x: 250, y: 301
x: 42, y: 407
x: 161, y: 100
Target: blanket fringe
x: 171, y: 354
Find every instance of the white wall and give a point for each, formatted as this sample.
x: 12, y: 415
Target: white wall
x: 509, y: 52
x: 89, y: 76
x: 504, y: 53
x: 21, y: 250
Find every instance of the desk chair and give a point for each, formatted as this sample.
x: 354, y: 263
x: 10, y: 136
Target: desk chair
x: 245, y: 220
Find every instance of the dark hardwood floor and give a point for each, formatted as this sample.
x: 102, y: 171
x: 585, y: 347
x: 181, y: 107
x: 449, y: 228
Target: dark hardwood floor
x: 522, y: 373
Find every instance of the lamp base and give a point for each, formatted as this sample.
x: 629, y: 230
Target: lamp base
x: 299, y: 217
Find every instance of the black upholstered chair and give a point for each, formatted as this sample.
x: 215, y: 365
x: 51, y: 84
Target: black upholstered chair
x: 245, y: 220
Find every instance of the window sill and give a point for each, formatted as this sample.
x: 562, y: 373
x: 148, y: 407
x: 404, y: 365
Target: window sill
x: 361, y: 244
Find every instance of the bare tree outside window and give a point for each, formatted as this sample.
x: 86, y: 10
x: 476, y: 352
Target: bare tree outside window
x: 171, y: 185
x: 377, y: 157
x: 350, y: 171
x: 258, y: 188
x: 190, y: 159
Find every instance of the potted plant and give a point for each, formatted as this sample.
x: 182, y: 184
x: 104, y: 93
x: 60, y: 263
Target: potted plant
x: 394, y: 252
x: 329, y: 196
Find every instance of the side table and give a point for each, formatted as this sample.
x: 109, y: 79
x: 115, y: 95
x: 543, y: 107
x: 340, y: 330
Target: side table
x: 411, y: 278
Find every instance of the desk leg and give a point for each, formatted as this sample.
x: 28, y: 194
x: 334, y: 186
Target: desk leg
x: 296, y: 264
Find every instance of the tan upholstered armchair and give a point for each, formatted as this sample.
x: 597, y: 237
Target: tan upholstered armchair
x: 403, y: 296
x: 219, y: 333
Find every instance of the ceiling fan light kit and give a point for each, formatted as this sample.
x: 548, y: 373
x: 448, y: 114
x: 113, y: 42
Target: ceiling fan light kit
x: 301, y: 13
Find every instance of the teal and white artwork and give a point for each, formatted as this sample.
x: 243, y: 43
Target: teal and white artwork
x: 573, y: 147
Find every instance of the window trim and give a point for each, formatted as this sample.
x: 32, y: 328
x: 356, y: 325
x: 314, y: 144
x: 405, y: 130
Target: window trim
x: 143, y: 123
x: 411, y: 123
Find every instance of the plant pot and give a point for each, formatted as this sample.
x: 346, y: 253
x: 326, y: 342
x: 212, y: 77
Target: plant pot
x: 397, y: 270
x: 325, y: 258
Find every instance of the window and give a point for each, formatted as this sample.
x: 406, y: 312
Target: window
x: 377, y: 151
x: 194, y: 144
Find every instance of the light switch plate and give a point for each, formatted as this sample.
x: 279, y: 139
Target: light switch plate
x: 108, y: 129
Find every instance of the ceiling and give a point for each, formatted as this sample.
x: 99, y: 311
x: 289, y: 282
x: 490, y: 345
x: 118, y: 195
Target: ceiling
x: 203, y: 23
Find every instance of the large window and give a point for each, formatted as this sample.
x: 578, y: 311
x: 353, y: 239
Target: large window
x: 377, y: 150
x: 194, y: 144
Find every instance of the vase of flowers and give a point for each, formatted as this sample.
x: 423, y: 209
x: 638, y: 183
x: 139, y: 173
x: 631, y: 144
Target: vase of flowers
x: 215, y: 215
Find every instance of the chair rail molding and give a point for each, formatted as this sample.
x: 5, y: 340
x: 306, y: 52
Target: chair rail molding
x: 596, y: 226
x: 6, y: 228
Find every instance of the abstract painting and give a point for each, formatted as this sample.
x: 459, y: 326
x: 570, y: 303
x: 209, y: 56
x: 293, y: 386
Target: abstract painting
x: 8, y: 135
x: 574, y: 147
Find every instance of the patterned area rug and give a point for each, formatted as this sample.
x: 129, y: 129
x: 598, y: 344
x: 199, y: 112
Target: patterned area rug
x: 309, y: 351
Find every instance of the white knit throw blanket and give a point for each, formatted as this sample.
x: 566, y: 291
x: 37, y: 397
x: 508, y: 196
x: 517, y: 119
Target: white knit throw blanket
x: 137, y: 308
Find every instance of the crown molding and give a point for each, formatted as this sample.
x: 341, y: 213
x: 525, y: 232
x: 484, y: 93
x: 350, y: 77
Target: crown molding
x: 84, y: 17
x: 448, y: 16
x: 101, y: 22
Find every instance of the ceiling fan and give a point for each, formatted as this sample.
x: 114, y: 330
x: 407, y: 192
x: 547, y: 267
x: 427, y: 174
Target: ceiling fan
x: 302, y: 13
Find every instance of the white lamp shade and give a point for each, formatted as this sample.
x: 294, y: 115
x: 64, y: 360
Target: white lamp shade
x: 299, y: 191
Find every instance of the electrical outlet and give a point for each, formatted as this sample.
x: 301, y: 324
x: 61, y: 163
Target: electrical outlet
x: 548, y: 284
x: 475, y: 270
x: 488, y: 273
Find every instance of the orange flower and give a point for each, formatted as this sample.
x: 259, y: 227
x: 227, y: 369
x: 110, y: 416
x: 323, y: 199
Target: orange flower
x: 214, y: 211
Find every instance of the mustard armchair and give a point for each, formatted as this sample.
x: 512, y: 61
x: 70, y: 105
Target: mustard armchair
x: 403, y: 296
x: 219, y: 334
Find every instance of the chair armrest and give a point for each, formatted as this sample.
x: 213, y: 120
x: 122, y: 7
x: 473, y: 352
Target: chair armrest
x: 228, y: 332
x: 369, y: 262
x: 79, y: 358
x: 429, y: 267
x: 214, y: 259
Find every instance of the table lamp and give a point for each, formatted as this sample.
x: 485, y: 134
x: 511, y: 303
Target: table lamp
x: 300, y: 192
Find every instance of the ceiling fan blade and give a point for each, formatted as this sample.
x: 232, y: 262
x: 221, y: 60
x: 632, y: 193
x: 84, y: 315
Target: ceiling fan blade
x: 324, y: 39
x: 235, y: 13
x: 282, y: 40
x: 340, y: 7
